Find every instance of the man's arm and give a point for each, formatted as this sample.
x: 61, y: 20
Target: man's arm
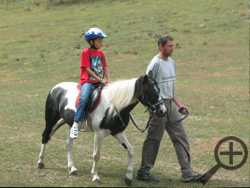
x: 179, y: 104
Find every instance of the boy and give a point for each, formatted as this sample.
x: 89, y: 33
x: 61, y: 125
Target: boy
x: 93, y: 68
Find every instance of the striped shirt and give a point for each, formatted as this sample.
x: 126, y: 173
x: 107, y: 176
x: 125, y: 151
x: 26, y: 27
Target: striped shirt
x: 163, y: 72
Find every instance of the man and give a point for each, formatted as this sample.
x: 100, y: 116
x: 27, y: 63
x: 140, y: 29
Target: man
x: 163, y: 71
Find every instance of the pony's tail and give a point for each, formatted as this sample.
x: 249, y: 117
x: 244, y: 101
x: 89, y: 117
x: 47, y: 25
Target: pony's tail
x: 52, y: 117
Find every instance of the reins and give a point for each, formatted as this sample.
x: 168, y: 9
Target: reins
x: 150, y: 117
x: 123, y: 124
x: 151, y: 108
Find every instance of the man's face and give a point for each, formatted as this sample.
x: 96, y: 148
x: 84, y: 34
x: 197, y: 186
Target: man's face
x: 168, y: 49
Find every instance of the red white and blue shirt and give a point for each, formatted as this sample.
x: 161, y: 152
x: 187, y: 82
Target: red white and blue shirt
x: 95, y: 60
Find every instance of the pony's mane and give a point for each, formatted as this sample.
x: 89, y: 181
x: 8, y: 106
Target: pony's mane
x: 121, y: 94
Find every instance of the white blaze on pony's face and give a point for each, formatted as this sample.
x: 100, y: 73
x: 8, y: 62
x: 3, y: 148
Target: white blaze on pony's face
x: 162, y: 108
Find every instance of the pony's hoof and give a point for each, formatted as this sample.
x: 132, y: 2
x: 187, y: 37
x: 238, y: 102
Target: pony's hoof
x: 74, y: 173
x: 40, y: 165
x: 97, y: 182
x: 128, y: 181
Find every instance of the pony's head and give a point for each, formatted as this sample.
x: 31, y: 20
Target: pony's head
x: 148, y: 94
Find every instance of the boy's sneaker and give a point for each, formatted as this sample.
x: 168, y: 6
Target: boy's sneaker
x: 74, y: 132
x: 147, y: 177
x: 194, y: 177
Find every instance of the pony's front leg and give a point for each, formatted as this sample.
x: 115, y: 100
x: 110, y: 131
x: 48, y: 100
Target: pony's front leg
x: 125, y: 143
x: 69, y: 145
x: 97, y: 155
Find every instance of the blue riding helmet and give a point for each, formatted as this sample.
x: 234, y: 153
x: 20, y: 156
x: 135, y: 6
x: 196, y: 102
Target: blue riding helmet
x: 94, y: 33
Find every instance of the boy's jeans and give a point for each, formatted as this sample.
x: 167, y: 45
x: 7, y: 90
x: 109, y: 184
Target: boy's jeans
x: 85, y: 92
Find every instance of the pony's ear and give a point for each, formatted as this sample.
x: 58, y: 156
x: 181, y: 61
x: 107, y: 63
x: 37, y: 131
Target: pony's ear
x: 150, y: 76
x: 145, y: 79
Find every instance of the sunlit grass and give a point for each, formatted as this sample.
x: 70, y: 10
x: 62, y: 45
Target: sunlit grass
x: 41, y: 44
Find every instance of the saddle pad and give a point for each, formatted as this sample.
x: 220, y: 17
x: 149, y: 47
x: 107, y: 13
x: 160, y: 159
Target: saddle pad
x: 78, y: 97
x: 95, y: 104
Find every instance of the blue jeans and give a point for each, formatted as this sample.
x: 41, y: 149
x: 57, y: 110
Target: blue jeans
x: 84, y: 98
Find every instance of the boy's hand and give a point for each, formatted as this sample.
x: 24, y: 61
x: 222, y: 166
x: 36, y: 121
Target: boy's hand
x: 104, y: 81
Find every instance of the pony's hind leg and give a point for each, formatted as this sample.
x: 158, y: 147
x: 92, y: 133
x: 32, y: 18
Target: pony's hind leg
x: 40, y: 163
x: 47, y: 134
x: 97, y: 155
x: 69, y: 145
x: 125, y: 143
x: 53, y: 122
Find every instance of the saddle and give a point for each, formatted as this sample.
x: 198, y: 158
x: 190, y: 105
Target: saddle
x: 94, y: 98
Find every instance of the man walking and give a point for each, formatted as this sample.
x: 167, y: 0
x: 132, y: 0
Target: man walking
x: 163, y: 71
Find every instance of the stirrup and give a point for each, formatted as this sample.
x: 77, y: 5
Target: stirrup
x: 83, y: 126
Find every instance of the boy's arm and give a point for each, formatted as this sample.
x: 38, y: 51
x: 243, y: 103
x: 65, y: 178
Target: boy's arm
x: 106, y: 70
x: 92, y: 74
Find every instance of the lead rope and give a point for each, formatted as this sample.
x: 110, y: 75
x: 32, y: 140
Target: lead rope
x: 177, y: 121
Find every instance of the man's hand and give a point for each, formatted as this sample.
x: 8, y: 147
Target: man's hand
x: 183, y: 110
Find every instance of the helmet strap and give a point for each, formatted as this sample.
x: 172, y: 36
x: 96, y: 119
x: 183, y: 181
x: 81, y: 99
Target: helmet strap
x: 93, y: 45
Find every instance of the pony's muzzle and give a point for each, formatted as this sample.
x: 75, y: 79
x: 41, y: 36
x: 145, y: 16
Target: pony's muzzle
x: 161, y: 111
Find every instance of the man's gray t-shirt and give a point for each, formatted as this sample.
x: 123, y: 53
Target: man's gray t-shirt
x: 163, y: 72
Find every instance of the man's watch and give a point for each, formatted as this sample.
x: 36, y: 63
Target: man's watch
x: 100, y: 79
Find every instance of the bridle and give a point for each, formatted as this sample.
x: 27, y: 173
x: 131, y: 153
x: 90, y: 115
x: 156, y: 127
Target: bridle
x: 146, y: 102
x: 151, y: 108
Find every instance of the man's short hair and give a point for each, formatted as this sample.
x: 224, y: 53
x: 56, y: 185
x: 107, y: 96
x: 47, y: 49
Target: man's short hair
x: 164, y: 39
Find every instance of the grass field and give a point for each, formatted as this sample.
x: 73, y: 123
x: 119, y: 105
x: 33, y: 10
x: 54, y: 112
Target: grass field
x: 40, y: 46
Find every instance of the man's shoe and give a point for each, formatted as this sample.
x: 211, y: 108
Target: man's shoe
x: 147, y: 177
x: 194, y: 177
x: 74, y: 132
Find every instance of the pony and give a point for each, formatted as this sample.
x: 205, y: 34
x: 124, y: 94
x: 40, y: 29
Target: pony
x: 111, y: 116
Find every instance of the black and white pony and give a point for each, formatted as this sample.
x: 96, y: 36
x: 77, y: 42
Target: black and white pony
x: 109, y: 118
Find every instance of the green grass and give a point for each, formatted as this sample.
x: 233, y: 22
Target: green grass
x: 41, y: 44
